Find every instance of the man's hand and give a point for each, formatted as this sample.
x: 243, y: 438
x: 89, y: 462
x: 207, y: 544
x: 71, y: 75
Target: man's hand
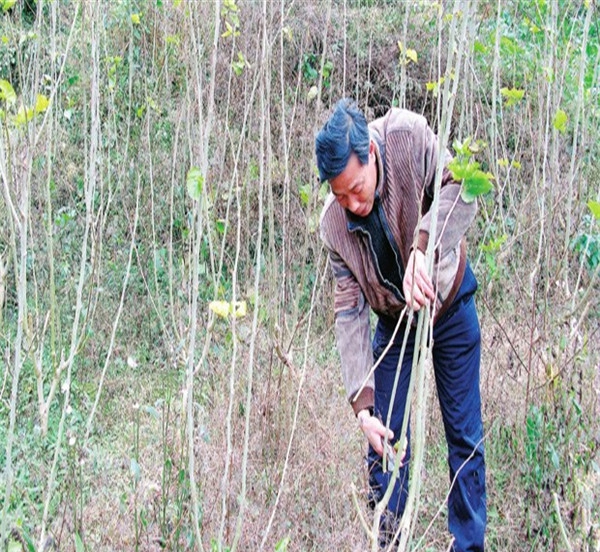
x: 374, y: 430
x: 417, y: 285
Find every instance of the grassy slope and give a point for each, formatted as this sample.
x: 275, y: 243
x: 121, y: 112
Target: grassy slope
x: 129, y: 478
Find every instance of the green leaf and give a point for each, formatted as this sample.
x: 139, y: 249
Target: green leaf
x: 41, y: 103
x: 512, y: 95
x: 135, y: 470
x: 594, y: 208
x: 220, y: 225
x: 239, y: 65
x: 7, y: 4
x: 282, y: 545
x: 494, y: 245
x: 79, y: 547
x: 305, y: 193
x: 411, y: 55
x: 479, y: 47
x: 7, y: 92
x: 14, y: 546
x: 560, y: 121
x: 229, y: 30
x: 475, y: 185
x: 149, y: 409
x: 323, y: 191
x: 23, y: 116
x: 195, y: 183
x: 510, y: 47
x: 462, y: 170
x: 462, y: 148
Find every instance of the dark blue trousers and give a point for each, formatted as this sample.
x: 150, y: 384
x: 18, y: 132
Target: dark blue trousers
x: 456, y: 356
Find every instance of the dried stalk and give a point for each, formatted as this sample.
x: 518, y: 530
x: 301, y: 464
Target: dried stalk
x: 423, y: 341
x: 292, y: 430
x: 205, y: 107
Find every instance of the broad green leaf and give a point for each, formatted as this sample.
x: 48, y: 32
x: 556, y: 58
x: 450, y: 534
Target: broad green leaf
x: 560, y: 121
x: 135, y: 470
x: 494, y: 245
x: 7, y: 92
x: 195, y: 183
x: 239, y: 65
x: 228, y: 31
x: 305, y: 193
x: 220, y: 225
x: 475, y: 185
x: 434, y: 86
x: 479, y: 47
x: 323, y: 191
x: 223, y: 309
x: 411, y: 55
x: 220, y: 308
x: 532, y: 26
x: 79, y: 543
x: 7, y: 4
x: 462, y: 170
x: 41, y: 103
x: 149, y: 409
x: 510, y: 47
x: 512, y: 95
x: 239, y: 309
x: 462, y: 148
x: 14, y: 546
x: 30, y: 546
x: 23, y: 116
x: 282, y: 545
x: 594, y: 208
x: 477, y: 147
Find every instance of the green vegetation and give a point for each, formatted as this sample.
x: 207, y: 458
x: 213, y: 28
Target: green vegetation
x: 169, y: 379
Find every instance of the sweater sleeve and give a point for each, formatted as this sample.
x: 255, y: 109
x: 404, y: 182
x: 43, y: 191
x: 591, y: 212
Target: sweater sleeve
x: 353, y: 335
x: 454, y: 215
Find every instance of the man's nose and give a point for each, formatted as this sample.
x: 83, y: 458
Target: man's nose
x: 353, y: 204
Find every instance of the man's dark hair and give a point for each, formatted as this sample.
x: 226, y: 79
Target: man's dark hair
x: 345, y: 132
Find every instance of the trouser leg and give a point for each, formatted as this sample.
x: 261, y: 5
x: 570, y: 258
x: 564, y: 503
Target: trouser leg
x: 456, y: 356
x: 384, y: 384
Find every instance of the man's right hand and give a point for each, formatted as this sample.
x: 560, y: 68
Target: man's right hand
x: 417, y: 285
x: 374, y: 430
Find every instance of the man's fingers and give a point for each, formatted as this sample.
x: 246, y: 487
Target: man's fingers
x: 418, y: 294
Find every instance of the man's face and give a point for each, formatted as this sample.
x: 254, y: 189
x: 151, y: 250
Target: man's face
x: 354, y: 187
